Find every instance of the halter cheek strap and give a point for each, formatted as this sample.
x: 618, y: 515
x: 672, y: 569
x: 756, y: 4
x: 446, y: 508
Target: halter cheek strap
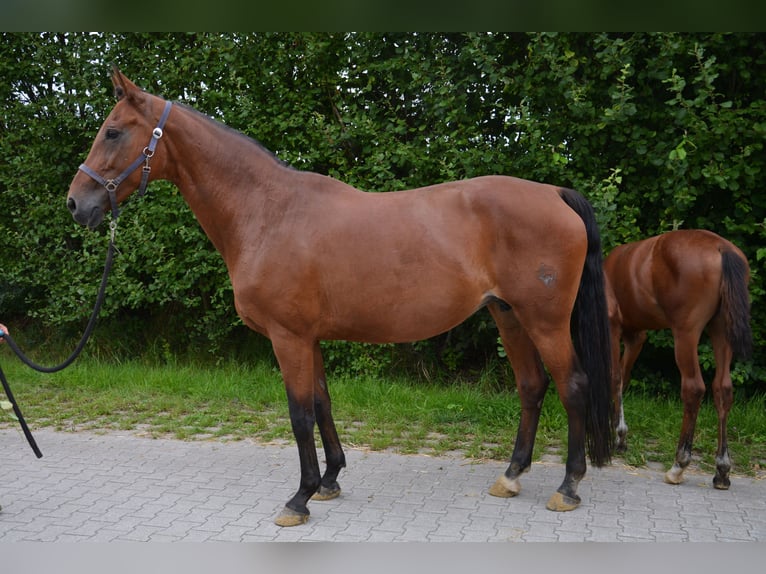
x: 111, y: 185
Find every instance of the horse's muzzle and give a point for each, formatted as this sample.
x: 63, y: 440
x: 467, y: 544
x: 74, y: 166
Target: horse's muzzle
x: 85, y: 213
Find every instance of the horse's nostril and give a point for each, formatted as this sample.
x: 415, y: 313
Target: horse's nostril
x: 71, y: 204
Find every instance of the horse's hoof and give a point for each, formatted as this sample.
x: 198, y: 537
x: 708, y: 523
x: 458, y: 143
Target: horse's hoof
x: 561, y: 503
x: 505, y: 487
x: 325, y: 493
x: 674, y: 476
x: 290, y: 517
x: 721, y: 483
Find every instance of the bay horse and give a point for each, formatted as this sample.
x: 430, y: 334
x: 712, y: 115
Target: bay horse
x: 311, y: 258
x: 687, y: 281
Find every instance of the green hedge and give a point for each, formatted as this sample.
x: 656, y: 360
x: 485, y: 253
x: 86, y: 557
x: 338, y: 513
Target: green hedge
x: 660, y: 131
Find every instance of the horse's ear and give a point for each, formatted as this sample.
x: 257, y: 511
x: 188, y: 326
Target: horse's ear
x: 123, y: 87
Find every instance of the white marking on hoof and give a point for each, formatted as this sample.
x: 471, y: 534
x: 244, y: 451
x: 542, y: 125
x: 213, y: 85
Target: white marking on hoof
x: 505, y: 487
x: 674, y: 475
x: 560, y: 503
x: 289, y: 517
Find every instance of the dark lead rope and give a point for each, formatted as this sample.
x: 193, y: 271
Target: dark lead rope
x: 19, y: 416
x: 68, y: 361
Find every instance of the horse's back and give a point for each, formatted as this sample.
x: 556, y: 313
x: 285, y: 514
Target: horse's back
x: 407, y: 265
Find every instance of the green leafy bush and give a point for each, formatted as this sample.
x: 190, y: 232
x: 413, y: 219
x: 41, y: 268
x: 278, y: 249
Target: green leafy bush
x: 660, y: 131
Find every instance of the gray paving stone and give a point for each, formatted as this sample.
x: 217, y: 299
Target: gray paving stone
x: 119, y: 487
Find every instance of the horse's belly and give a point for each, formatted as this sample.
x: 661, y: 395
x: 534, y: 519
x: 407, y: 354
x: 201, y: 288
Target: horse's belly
x: 643, y: 316
x: 396, y: 321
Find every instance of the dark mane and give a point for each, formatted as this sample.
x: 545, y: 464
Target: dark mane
x: 222, y: 126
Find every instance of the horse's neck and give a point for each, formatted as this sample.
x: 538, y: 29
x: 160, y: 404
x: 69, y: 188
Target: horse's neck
x: 226, y: 179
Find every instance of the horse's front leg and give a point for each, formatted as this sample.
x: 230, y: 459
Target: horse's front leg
x: 296, y: 361
x: 336, y: 460
x: 621, y: 428
x: 633, y: 343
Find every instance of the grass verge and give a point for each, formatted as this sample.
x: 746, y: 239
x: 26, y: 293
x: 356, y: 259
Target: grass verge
x: 235, y: 402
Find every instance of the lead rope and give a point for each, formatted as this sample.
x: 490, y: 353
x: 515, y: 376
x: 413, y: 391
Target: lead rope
x: 68, y: 361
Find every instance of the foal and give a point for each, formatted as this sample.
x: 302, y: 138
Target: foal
x: 686, y: 281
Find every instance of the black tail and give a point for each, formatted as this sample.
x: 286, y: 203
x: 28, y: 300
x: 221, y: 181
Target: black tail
x: 590, y: 327
x: 735, y: 303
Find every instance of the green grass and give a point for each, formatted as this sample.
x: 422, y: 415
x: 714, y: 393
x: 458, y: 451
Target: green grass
x: 234, y: 402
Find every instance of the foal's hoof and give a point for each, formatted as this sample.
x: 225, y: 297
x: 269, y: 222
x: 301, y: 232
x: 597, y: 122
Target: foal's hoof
x: 290, y: 517
x: 562, y: 503
x: 327, y: 493
x: 505, y: 487
x: 675, y: 475
x: 721, y: 482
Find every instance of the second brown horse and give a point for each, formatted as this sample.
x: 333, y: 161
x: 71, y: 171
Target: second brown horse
x: 687, y: 281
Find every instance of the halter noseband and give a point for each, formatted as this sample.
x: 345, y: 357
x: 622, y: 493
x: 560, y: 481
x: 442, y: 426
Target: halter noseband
x: 111, y: 185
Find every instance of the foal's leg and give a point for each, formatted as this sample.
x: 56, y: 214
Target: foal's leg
x: 329, y: 487
x: 633, y: 342
x: 692, y: 392
x: 531, y: 383
x: 297, y: 363
x: 618, y: 416
x: 723, y: 396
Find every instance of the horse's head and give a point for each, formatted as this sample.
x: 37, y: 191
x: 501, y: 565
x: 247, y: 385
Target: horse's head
x: 124, y: 143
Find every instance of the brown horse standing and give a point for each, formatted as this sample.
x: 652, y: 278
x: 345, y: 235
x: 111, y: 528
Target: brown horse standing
x: 311, y: 258
x: 686, y: 281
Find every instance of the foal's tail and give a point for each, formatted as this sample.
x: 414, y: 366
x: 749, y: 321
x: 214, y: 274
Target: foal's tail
x: 590, y: 327
x: 735, y: 303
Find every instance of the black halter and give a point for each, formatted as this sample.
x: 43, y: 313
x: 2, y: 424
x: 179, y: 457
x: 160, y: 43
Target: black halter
x: 111, y: 185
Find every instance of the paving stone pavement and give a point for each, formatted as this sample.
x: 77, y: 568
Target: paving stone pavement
x: 121, y: 487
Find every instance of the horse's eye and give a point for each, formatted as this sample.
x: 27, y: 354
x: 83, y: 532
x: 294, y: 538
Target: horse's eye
x: 112, y: 134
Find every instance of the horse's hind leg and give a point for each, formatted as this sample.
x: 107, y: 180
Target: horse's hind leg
x: 553, y: 343
x: 723, y: 397
x: 336, y: 460
x: 572, y: 387
x: 531, y: 383
x: 692, y: 392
